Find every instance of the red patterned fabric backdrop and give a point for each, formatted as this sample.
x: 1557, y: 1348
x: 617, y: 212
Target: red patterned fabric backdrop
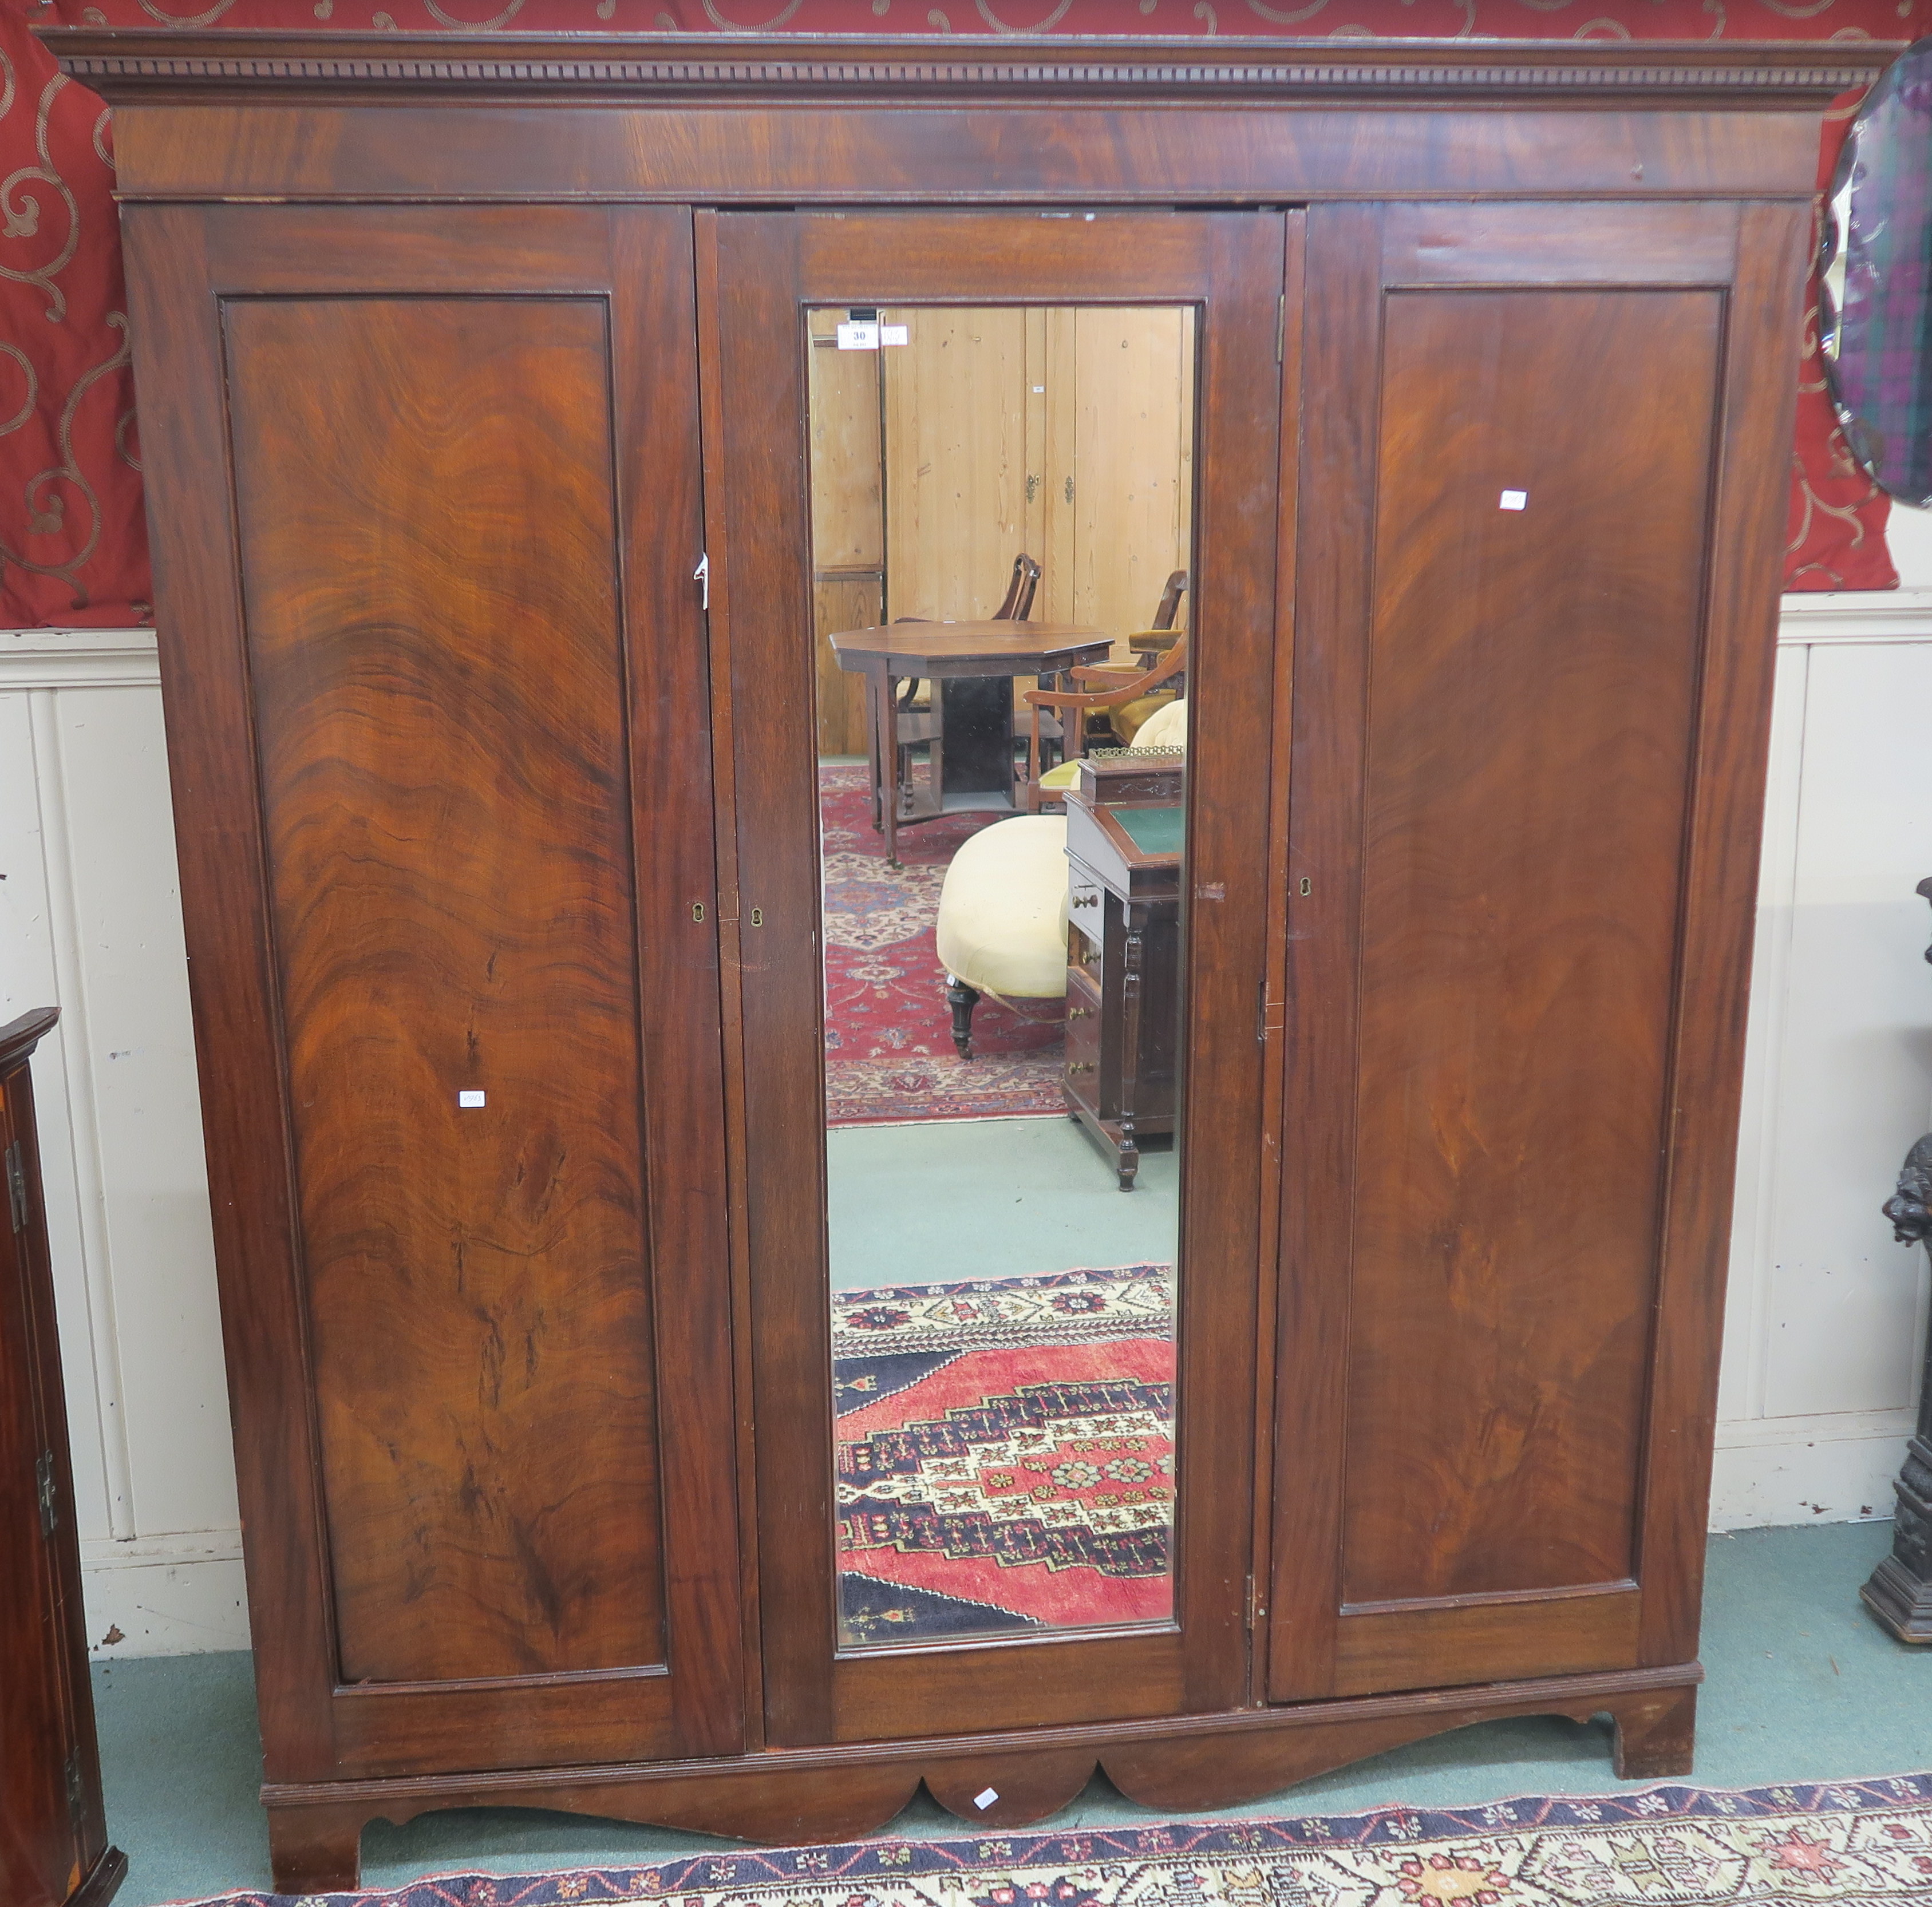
x: 73, y: 541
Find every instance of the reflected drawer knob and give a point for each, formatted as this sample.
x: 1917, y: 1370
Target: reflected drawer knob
x: 1081, y: 1065
x: 1079, y: 1012
x: 1086, y: 900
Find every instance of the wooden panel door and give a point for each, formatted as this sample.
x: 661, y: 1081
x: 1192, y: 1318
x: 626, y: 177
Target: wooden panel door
x: 436, y: 690
x: 962, y: 454
x: 848, y: 524
x: 1534, y: 638
x: 1123, y: 425
x: 759, y: 273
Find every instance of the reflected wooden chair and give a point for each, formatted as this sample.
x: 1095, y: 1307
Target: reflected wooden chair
x: 1165, y: 617
x: 1152, y: 643
x: 1105, y: 687
x: 1148, y: 645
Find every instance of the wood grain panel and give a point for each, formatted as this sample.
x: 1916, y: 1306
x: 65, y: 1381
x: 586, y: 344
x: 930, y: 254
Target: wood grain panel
x: 862, y: 154
x: 838, y: 601
x: 1519, y: 244
x: 1440, y: 1644
x: 439, y: 705
x: 1132, y: 466
x: 1534, y: 677
x: 848, y: 524
x: 956, y: 461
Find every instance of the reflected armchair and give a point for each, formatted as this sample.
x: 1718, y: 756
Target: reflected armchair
x: 1103, y: 688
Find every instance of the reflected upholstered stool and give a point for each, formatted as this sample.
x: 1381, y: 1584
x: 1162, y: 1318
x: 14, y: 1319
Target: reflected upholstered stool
x: 1003, y: 918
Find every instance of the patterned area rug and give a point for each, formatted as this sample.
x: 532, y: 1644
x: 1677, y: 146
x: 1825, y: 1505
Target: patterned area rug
x: 888, y: 1051
x: 1005, y: 1453
x: 1852, y: 1844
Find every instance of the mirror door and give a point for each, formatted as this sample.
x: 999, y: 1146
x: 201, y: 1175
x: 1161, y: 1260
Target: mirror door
x: 991, y: 540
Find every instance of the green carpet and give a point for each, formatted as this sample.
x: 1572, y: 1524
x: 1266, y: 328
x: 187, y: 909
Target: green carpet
x: 1803, y: 1686
x: 1035, y: 1194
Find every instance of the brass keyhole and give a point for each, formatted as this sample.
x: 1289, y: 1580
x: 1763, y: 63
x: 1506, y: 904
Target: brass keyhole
x: 757, y: 916
x: 697, y: 911
x: 1307, y: 886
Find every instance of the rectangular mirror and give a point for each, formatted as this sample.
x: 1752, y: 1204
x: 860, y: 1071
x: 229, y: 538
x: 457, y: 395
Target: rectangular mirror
x: 1002, y: 505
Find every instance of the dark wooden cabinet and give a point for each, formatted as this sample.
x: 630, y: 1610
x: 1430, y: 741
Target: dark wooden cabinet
x: 54, y: 1850
x: 1124, y: 963
x: 499, y: 839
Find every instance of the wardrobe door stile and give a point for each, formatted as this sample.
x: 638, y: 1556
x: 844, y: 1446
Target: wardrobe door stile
x: 441, y: 777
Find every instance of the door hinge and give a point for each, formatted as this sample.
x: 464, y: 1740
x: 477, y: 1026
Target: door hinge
x: 1256, y: 1612
x: 76, y: 1788
x: 701, y: 576
x: 16, y: 1187
x: 43, y: 1485
x: 1281, y: 329
x: 1069, y: 490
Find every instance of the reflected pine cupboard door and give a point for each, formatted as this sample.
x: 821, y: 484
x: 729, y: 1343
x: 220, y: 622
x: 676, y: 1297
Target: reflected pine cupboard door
x: 1531, y: 693
x: 443, y: 783
x: 1005, y: 1409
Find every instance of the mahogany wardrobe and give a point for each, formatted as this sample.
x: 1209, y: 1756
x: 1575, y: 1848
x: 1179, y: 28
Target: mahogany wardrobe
x: 476, y: 378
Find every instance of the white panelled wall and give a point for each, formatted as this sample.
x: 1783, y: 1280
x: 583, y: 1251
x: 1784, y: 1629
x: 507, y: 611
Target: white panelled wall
x: 90, y: 921
x: 1826, y: 1313
x: 1826, y: 1317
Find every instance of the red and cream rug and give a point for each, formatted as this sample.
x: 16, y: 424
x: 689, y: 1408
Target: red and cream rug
x: 1848, y: 1844
x: 888, y: 1051
x: 1005, y: 1453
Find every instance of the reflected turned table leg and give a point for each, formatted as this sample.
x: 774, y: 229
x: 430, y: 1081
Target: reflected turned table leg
x: 875, y: 742
x: 890, y: 792
x: 1133, y: 950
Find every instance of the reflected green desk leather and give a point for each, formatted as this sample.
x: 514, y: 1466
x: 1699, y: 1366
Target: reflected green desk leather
x: 1153, y: 830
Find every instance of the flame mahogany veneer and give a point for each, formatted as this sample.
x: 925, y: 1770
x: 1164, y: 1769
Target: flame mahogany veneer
x: 454, y: 353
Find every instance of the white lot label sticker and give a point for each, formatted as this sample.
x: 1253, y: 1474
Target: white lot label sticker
x: 859, y: 334
x: 1514, y: 500
x: 469, y: 1099
x: 986, y: 1797
x: 893, y: 334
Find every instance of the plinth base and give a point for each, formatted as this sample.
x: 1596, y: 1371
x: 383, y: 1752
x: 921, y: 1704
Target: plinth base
x: 1901, y: 1601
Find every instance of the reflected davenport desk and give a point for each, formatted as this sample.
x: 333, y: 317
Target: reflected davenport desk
x: 970, y: 725
x: 1125, y: 828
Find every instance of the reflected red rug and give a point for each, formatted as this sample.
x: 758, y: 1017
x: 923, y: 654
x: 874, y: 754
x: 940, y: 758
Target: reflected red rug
x: 889, y: 1052
x: 1005, y: 1453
